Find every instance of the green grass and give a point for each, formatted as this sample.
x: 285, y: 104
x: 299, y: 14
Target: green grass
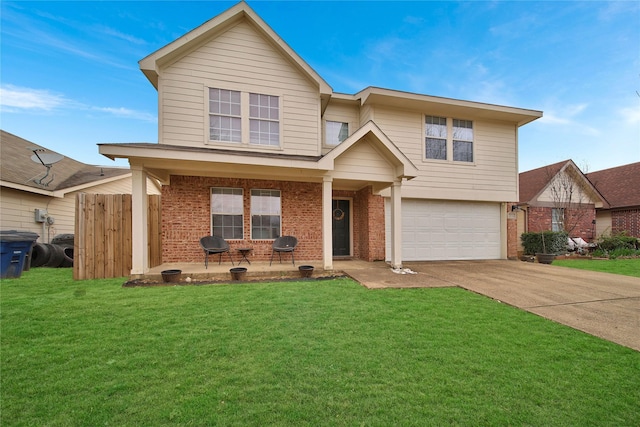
x: 296, y: 354
x: 627, y: 267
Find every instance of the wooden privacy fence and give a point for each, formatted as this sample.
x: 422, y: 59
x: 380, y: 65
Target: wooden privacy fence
x: 102, y: 241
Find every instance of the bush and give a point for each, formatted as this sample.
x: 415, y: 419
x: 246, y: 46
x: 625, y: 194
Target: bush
x: 618, y: 241
x: 555, y: 242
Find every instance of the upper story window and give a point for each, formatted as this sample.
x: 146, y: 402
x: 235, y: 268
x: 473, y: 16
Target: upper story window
x: 264, y: 119
x: 448, y: 139
x: 335, y: 132
x: 225, y: 123
x: 462, y: 140
x: 227, y: 213
x: 436, y: 137
x: 244, y: 118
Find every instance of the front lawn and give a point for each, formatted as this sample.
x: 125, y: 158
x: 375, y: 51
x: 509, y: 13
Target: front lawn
x: 296, y: 353
x: 627, y: 267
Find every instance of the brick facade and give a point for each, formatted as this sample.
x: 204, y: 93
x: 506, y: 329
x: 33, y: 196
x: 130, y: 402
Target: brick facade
x: 626, y: 221
x: 539, y: 219
x: 186, y: 218
x: 512, y: 233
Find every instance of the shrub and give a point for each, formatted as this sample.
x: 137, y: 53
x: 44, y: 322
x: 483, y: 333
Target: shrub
x: 618, y: 241
x: 555, y: 242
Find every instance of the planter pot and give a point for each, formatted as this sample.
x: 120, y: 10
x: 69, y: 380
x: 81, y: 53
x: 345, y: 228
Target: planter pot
x: 545, y: 258
x: 169, y: 276
x: 306, y: 270
x: 238, y: 273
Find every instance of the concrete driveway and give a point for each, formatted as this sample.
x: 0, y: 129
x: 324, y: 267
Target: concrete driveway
x: 601, y: 304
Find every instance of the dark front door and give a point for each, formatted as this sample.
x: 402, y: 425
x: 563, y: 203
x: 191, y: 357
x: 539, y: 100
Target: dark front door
x: 341, y: 228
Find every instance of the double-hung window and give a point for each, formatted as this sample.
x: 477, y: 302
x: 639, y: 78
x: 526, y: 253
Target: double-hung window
x: 227, y: 213
x: 335, y: 132
x: 244, y: 118
x: 557, y: 219
x: 436, y: 138
x: 225, y: 123
x: 264, y: 119
x: 462, y: 140
x: 448, y: 139
x: 265, y: 214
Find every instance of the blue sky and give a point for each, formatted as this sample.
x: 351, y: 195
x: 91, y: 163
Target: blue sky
x: 70, y: 78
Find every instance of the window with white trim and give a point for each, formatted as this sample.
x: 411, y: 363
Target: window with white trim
x: 225, y: 122
x: 227, y: 213
x: 448, y: 139
x: 335, y: 132
x: 264, y: 119
x: 557, y: 219
x: 266, y: 214
x: 435, y: 137
x: 462, y: 140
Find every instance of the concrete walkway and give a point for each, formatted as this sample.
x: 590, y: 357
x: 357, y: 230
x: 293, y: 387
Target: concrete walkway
x: 601, y: 304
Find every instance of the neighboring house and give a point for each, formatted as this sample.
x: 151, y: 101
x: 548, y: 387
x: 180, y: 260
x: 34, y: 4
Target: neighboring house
x: 254, y: 144
x: 44, y: 203
x: 559, y: 197
x: 621, y: 187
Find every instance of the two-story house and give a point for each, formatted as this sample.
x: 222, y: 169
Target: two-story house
x: 254, y: 144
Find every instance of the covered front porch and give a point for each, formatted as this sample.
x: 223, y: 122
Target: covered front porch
x: 367, y: 159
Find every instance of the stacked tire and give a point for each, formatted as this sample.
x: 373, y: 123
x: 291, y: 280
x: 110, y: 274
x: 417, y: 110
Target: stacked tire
x: 58, y: 253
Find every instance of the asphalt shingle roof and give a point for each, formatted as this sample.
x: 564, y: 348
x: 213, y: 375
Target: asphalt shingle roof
x: 17, y: 167
x: 619, y: 185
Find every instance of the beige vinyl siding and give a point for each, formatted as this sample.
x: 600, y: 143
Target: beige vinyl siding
x: 238, y: 59
x: 344, y: 112
x: 362, y: 162
x: 17, y: 213
x: 492, y: 176
x: 17, y: 210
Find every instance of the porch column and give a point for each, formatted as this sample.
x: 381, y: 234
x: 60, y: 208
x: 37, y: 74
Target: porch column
x: 396, y: 225
x: 139, y: 234
x: 327, y: 223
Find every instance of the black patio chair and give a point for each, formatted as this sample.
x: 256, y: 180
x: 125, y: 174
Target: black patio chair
x: 284, y: 244
x: 214, y: 245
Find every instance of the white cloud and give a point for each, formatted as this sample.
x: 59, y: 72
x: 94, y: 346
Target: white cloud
x: 630, y: 115
x: 119, y: 35
x: 20, y: 98
x: 127, y: 113
x: 15, y: 99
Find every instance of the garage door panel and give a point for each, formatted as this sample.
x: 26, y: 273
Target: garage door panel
x: 439, y: 230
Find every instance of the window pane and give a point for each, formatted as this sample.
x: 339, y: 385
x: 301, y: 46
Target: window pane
x: 436, y: 126
x: 462, y: 130
x: 227, y: 212
x: 436, y: 149
x: 224, y: 110
x: 462, y: 151
x: 336, y: 132
x: 265, y: 214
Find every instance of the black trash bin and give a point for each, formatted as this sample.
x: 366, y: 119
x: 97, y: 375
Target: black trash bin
x: 15, y: 247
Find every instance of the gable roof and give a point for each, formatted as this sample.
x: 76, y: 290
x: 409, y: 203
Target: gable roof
x: 404, y: 167
x: 18, y: 171
x: 151, y: 64
x: 619, y: 185
x: 534, y: 182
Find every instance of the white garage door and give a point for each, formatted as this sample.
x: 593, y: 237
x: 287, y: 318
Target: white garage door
x: 444, y: 230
